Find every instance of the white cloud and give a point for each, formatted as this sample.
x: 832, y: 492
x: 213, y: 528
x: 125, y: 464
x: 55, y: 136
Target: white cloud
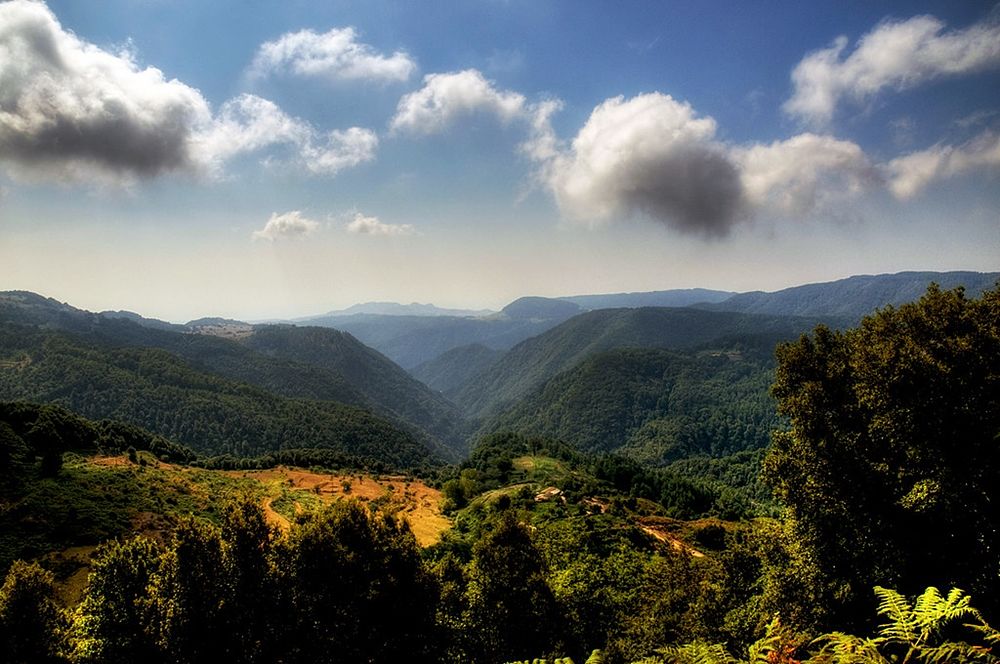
x: 334, y: 55
x: 895, y: 55
x: 795, y: 176
x: 651, y: 155
x: 910, y: 174
x: 339, y: 149
x: 373, y: 226
x: 249, y: 123
x: 446, y: 97
x: 286, y: 225
x: 71, y: 110
x: 654, y: 156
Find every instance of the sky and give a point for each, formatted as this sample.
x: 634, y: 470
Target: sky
x: 256, y: 159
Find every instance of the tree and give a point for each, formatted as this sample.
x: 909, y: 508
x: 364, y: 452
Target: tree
x: 187, y: 594
x: 112, y: 623
x: 254, y: 596
x: 889, y: 469
x: 511, y: 606
x: 31, y: 623
x: 359, y: 591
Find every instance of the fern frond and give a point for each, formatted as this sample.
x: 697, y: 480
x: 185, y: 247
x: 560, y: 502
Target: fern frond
x: 903, y: 626
x: 698, y: 652
x: 841, y: 648
x: 990, y: 635
x: 777, y: 642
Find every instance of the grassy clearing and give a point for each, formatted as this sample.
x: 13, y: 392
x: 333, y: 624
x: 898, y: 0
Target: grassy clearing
x: 61, y: 520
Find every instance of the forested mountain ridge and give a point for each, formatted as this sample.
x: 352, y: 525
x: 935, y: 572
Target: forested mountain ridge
x: 538, y: 359
x: 154, y: 389
x: 382, y: 382
x: 851, y: 298
x: 412, y: 340
x: 322, y: 365
x: 679, y: 297
x: 655, y: 406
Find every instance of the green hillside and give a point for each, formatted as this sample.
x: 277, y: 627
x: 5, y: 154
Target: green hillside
x: 320, y: 365
x: 212, y: 415
x: 653, y: 405
x: 451, y: 369
x: 384, y: 384
x: 532, y: 362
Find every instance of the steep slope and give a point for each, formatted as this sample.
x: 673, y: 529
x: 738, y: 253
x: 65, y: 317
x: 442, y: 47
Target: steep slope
x: 451, y: 369
x: 382, y: 382
x: 212, y: 415
x: 534, y: 361
x: 656, y: 406
x: 852, y: 298
x: 331, y: 367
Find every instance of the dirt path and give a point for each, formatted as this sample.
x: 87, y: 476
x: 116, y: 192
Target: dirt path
x: 273, y: 518
x: 661, y: 533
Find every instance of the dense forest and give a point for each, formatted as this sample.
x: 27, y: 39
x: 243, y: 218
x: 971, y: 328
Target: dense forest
x: 626, y: 508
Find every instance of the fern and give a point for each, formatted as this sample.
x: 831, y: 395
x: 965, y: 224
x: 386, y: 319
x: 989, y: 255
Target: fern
x: 912, y: 633
x: 697, y: 652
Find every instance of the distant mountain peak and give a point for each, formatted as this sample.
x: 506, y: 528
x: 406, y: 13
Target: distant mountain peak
x: 397, y: 309
x: 540, y: 308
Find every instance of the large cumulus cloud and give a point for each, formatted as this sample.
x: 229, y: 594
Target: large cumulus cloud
x: 654, y: 156
x: 68, y: 107
x: 71, y: 111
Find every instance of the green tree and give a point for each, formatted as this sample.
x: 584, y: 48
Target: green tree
x: 187, y: 594
x: 112, y: 623
x: 511, y: 607
x: 31, y: 622
x: 890, y: 467
x: 253, y: 609
x: 358, y: 588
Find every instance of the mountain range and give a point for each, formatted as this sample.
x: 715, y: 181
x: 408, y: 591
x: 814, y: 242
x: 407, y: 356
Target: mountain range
x: 657, y: 383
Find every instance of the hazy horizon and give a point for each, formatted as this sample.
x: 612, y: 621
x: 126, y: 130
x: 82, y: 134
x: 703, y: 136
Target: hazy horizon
x: 189, y: 159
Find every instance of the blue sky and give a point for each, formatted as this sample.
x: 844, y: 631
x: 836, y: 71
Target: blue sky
x: 258, y: 159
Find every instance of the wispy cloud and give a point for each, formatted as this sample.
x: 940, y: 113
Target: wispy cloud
x: 286, y: 225
x: 896, y: 55
x: 335, y: 55
x: 366, y: 225
x: 910, y: 174
x: 446, y: 97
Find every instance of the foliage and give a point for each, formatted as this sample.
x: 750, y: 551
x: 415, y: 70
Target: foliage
x: 918, y: 632
x: 358, y: 590
x: 510, y: 601
x: 889, y: 470
x: 112, y: 622
x: 31, y: 623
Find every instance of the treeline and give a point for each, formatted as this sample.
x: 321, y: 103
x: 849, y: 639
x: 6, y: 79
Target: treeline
x: 34, y: 437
